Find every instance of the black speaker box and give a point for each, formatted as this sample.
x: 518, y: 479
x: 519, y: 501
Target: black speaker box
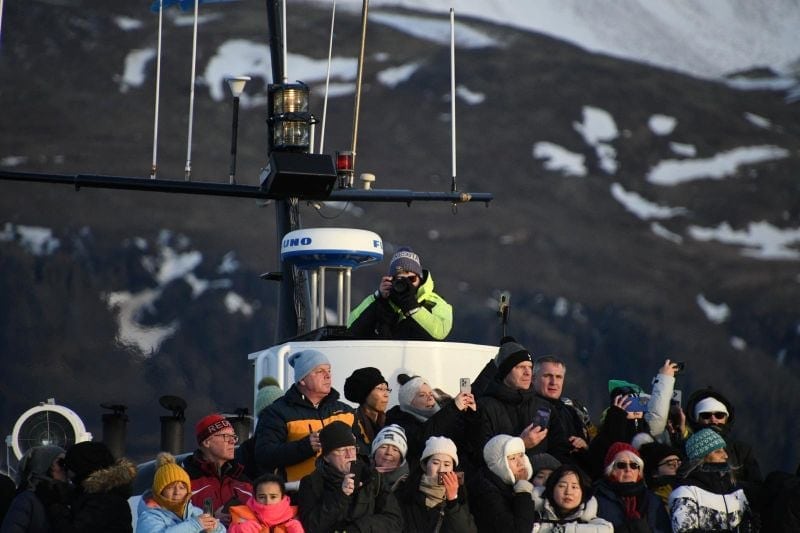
x: 300, y: 175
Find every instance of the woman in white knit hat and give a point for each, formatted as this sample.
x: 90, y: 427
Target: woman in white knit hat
x: 419, y: 414
x: 433, y: 498
x: 389, y: 450
x: 500, y: 493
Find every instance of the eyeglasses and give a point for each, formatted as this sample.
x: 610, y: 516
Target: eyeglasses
x: 719, y: 415
x: 228, y: 437
x: 622, y: 465
x: 344, y: 451
x: 383, y: 388
x: 672, y: 463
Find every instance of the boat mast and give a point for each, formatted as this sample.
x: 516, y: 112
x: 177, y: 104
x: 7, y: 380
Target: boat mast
x: 286, y: 211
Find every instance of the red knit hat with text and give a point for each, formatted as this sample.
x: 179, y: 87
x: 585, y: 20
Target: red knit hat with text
x: 615, y: 449
x: 209, y: 425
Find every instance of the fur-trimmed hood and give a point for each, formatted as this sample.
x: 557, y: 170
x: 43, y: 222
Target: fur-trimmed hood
x: 119, y: 475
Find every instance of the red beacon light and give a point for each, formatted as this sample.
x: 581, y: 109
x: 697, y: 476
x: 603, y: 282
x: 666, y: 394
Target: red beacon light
x: 344, y: 168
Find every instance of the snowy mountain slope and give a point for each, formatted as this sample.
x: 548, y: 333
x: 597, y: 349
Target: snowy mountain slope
x: 706, y: 39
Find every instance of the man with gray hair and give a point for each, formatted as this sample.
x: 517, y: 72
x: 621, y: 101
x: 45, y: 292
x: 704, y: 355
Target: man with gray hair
x: 287, y: 434
x: 549, y: 373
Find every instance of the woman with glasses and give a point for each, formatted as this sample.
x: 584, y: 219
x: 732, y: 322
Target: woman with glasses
x: 404, y: 306
x: 565, y: 503
x: 708, y: 498
x: 39, y: 465
x: 622, y: 496
x: 661, y: 463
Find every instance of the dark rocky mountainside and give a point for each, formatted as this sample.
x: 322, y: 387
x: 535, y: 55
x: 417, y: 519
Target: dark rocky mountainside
x: 589, y: 280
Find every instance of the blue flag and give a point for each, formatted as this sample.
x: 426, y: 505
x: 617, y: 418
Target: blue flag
x: 185, y: 5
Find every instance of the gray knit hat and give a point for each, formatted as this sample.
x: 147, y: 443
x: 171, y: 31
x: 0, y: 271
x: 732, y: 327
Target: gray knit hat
x: 702, y: 443
x: 405, y: 260
x: 542, y: 461
x: 304, y: 362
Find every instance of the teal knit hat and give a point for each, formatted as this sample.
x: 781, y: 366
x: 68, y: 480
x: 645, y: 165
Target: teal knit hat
x: 702, y: 443
x: 268, y: 392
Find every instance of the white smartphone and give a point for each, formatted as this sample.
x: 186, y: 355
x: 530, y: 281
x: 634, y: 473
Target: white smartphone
x: 464, y: 385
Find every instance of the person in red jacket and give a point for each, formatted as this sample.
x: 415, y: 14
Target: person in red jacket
x: 215, y: 475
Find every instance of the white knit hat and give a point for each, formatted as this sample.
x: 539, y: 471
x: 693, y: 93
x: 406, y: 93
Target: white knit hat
x: 495, y: 452
x: 709, y: 405
x: 409, y: 386
x: 394, y: 435
x: 436, y: 445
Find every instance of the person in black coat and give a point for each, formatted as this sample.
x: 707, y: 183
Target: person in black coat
x: 344, y: 494
x: 422, y: 417
x: 709, y: 408
x: 98, y: 500
x: 510, y: 405
x: 39, y: 465
x: 782, y: 510
x: 432, y: 498
x: 500, y: 494
x: 623, y: 498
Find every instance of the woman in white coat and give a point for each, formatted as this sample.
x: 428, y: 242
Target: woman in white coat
x: 566, y: 504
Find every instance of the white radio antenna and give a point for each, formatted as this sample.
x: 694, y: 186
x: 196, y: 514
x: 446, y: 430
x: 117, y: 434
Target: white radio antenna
x: 327, y: 82
x: 285, y: 62
x: 453, y: 94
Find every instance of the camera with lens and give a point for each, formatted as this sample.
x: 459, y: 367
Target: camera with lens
x: 400, y: 285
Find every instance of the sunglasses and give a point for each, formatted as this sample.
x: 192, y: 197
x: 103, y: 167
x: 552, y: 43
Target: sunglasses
x: 672, y: 463
x: 719, y: 415
x: 622, y: 465
x: 412, y: 278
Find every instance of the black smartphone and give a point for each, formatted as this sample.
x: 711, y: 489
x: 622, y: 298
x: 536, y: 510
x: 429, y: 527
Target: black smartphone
x: 679, y: 366
x: 208, y: 506
x: 459, y: 475
x: 542, y: 417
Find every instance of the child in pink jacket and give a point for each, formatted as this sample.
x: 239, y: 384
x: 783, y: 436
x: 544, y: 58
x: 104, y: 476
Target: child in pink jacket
x: 267, y: 511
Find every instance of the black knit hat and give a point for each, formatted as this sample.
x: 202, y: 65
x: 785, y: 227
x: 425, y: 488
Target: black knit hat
x: 510, y: 355
x: 361, y: 382
x: 653, y: 453
x: 337, y: 434
x: 85, y: 458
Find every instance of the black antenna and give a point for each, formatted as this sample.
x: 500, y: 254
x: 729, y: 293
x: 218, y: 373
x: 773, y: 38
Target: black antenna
x: 504, y: 310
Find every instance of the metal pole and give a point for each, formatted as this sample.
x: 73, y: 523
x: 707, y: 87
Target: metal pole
x: 364, y: 12
x: 234, y: 130
x: 327, y: 82
x: 188, y: 169
x: 453, y: 93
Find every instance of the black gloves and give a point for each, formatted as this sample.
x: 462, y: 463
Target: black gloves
x: 406, y: 300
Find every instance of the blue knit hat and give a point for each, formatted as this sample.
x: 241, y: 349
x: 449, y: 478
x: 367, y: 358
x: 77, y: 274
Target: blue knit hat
x: 304, y: 362
x: 405, y: 260
x: 702, y: 443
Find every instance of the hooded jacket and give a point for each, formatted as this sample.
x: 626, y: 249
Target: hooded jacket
x: 740, y: 455
x: 100, y: 503
x: 497, y: 506
x: 152, y: 518
x: 584, y: 519
x: 282, y: 433
x: 380, y: 318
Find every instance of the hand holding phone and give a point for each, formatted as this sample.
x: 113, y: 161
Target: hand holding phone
x: 541, y: 418
x: 637, y: 404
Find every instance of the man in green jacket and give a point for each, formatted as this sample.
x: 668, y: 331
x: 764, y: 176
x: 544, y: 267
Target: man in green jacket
x: 404, y: 307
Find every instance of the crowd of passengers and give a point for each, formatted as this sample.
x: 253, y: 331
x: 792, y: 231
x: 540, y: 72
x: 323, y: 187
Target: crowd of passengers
x: 507, y: 453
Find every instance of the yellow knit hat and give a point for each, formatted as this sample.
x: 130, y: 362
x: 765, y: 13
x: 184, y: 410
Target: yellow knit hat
x: 167, y: 472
